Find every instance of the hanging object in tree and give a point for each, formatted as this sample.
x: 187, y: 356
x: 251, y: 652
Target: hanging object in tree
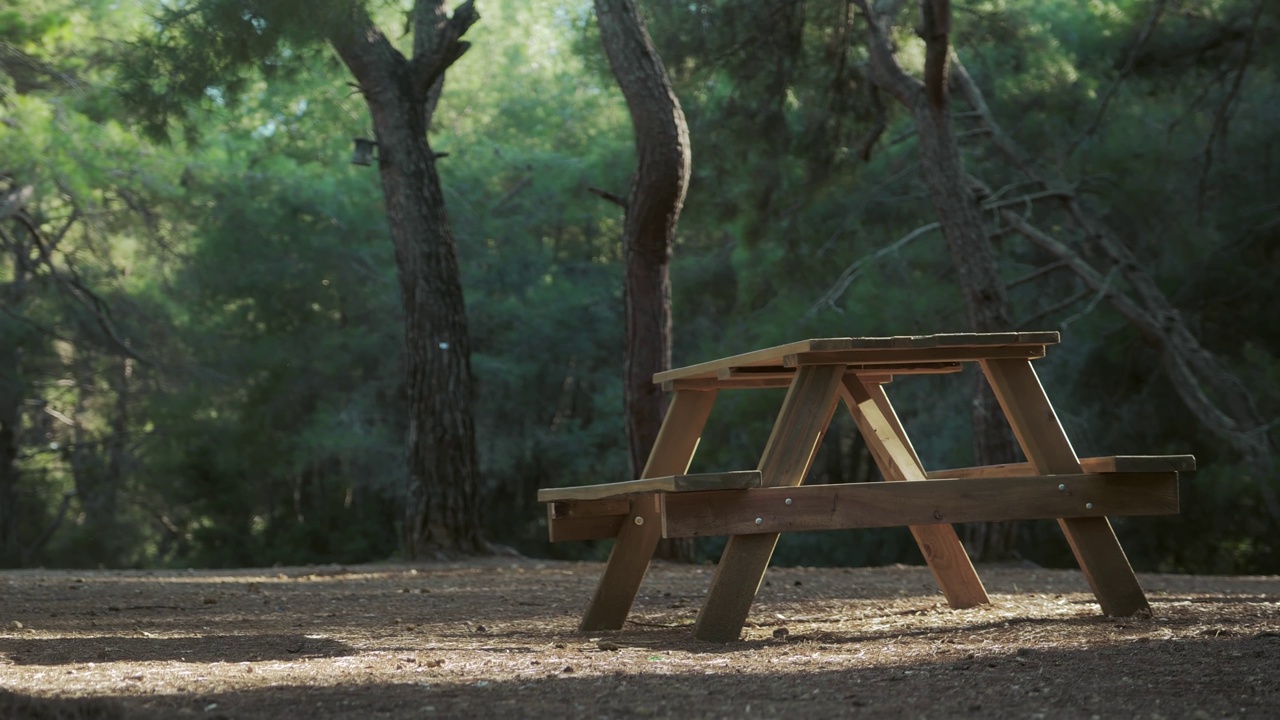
x: 362, y: 153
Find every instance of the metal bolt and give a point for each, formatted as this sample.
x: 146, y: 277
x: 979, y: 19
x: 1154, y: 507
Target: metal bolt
x: 788, y: 501
x: 759, y: 521
x: 1088, y: 506
x: 639, y: 520
x: 1062, y: 487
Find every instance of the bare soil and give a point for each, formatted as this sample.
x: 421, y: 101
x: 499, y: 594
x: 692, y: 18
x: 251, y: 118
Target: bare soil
x: 496, y: 637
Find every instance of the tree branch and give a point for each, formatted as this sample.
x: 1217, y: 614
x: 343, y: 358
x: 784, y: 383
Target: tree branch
x: 611, y: 197
x: 887, y: 73
x: 1222, y: 118
x: 1138, y: 44
x: 872, y: 138
x: 437, y: 40
x: 935, y: 29
x: 850, y: 273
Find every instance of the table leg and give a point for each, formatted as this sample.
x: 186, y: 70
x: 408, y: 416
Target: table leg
x: 633, y: 549
x: 1045, y: 444
x: 801, y: 423
x: 950, y: 564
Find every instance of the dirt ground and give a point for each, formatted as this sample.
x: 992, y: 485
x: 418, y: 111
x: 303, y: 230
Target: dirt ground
x: 496, y: 637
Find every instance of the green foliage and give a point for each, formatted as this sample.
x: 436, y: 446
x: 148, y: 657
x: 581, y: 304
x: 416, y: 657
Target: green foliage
x: 239, y: 402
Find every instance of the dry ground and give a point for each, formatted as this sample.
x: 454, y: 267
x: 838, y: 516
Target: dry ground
x: 496, y: 637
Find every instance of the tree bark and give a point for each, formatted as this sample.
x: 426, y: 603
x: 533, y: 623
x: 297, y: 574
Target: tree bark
x: 10, y: 417
x: 652, y: 212
x: 12, y: 297
x: 442, y: 512
x: 977, y: 269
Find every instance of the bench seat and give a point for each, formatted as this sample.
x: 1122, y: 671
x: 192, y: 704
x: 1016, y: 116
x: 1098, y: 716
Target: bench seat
x: 738, y: 480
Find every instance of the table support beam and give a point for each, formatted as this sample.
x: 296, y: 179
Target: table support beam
x: 945, y: 554
x: 797, y: 433
x: 1045, y: 444
x: 633, y: 550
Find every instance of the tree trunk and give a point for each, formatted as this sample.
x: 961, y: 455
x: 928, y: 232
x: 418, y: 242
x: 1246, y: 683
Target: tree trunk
x: 12, y: 296
x: 652, y: 212
x: 10, y: 418
x: 442, y: 512
x: 977, y: 269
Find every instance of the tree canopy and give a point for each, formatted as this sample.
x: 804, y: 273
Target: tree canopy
x: 203, y: 326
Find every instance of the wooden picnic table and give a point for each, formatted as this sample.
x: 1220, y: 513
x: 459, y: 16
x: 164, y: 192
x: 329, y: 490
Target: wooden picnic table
x: 753, y: 507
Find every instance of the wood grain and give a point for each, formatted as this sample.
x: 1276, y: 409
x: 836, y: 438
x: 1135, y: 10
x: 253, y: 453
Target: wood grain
x: 1045, y: 444
x: 633, y: 550
x: 904, y: 356
x: 927, y: 503
x: 774, y: 355
x: 890, y: 447
x: 1106, y: 464
x: 799, y: 428
x: 737, y: 480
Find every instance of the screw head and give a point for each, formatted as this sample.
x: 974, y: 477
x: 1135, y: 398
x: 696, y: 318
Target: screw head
x: 639, y: 520
x: 788, y: 501
x: 1088, y: 506
x: 759, y: 521
x: 1062, y: 486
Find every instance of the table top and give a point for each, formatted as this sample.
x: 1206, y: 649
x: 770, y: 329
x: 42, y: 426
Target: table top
x: 891, y: 355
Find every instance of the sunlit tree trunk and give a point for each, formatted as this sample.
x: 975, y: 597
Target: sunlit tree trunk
x: 442, y: 513
x: 652, y: 211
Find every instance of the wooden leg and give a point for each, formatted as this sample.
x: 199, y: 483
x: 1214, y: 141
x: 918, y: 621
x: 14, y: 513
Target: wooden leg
x: 804, y: 417
x: 633, y: 549
x: 892, y: 451
x: 1045, y: 444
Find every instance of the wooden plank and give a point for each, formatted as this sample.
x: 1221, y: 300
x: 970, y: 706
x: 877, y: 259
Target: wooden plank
x: 629, y: 560
x: 736, y: 480
x: 766, y: 356
x: 1108, y: 464
x: 985, y: 471
x: 803, y: 419
x: 941, y: 547
x: 738, y: 383
x: 898, y: 356
x: 1140, y: 463
x: 771, y: 355
x: 784, y: 372
x: 937, y: 340
x: 589, y: 508
x: 585, y: 528
x: 927, y: 503
x: 1045, y: 444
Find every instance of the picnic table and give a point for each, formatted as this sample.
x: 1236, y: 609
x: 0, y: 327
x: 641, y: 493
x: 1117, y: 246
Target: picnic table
x: 753, y: 507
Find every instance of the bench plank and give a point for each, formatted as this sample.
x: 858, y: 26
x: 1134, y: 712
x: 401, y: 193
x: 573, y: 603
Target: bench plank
x: 737, y: 480
x: 1107, y: 464
x: 917, y: 503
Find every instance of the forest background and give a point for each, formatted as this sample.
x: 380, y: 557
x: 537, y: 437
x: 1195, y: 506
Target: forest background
x: 201, y: 338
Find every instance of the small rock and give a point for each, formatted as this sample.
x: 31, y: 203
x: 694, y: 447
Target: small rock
x: 607, y: 645
x: 481, y: 628
x: 781, y: 633
x: 16, y: 625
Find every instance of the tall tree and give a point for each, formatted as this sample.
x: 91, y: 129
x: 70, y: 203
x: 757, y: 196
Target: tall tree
x: 972, y: 255
x: 653, y: 207
x: 208, y: 48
